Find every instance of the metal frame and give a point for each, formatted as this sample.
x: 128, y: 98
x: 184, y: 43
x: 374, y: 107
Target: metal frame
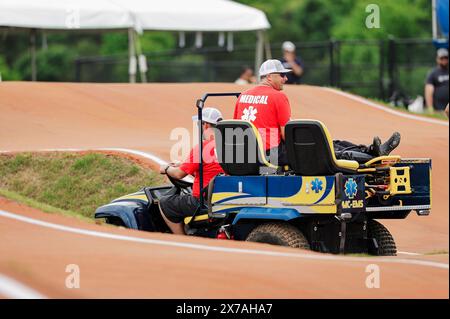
x: 200, y: 104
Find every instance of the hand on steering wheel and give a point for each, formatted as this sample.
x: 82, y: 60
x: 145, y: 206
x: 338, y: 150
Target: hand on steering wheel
x: 181, y: 183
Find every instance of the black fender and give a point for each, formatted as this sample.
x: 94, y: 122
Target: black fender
x: 133, y: 214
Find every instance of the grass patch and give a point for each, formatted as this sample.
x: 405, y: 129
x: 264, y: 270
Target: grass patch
x: 41, y: 206
x: 68, y: 183
x: 434, y: 114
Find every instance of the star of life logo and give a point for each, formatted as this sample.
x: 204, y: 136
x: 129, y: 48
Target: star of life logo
x: 316, y: 185
x: 249, y: 114
x: 351, y: 188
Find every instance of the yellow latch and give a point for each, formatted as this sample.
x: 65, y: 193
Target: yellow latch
x: 400, y: 181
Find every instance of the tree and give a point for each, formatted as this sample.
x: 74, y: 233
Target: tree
x: 53, y: 64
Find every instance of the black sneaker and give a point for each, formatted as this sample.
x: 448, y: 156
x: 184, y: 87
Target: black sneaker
x: 375, y: 148
x: 387, y: 147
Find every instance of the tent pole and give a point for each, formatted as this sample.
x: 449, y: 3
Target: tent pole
x: 433, y: 17
x: 33, y: 54
x: 142, y: 61
x: 259, y: 51
x: 267, y: 46
x: 132, y: 63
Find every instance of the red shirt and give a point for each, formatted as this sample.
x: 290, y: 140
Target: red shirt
x: 268, y: 109
x: 211, y: 166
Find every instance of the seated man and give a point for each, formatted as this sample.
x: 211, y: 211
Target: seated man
x: 269, y: 110
x: 175, y: 208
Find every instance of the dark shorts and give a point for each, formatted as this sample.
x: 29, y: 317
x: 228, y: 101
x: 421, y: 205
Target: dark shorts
x: 278, y: 155
x: 179, y: 206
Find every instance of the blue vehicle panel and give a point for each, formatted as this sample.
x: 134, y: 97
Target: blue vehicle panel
x: 306, y: 195
x: 420, y: 175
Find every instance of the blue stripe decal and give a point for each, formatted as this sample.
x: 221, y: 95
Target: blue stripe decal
x: 329, y: 187
x: 253, y: 185
x: 284, y: 186
x: 234, y: 197
x: 237, y: 208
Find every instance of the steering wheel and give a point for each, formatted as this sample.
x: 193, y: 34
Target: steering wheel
x: 181, y: 183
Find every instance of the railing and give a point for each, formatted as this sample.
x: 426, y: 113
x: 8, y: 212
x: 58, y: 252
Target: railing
x: 382, y: 69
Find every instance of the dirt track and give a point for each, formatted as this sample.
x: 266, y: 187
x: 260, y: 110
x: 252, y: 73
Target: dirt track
x: 140, y: 117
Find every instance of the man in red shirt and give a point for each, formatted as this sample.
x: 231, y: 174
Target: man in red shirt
x: 269, y: 110
x: 174, y: 208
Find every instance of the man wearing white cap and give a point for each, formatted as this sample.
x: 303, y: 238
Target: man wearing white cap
x: 174, y: 208
x: 291, y: 61
x: 267, y: 107
x: 269, y: 110
x: 436, y: 86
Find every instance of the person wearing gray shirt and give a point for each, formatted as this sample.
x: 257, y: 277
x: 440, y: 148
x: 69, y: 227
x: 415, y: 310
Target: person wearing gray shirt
x: 436, y: 86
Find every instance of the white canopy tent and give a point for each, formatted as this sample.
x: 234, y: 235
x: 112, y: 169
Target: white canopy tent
x: 136, y: 16
x: 64, y: 14
x: 194, y: 15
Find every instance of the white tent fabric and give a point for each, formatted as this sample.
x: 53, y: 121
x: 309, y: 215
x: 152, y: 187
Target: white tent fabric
x: 64, y: 14
x: 194, y: 15
x: 168, y: 15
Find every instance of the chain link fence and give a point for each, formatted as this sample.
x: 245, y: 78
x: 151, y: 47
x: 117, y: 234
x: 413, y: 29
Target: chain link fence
x: 383, y: 69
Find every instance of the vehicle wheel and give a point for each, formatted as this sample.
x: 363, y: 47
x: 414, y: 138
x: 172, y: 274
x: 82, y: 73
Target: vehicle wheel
x: 282, y: 234
x: 385, y: 241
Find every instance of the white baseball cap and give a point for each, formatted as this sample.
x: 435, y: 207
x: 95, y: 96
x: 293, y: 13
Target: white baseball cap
x: 288, y: 46
x: 210, y: 115
x: 442, y: 52
x: 272, y: 66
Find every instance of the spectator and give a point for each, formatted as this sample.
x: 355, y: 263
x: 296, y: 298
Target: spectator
x: 293, y: 62
x: 246, y: 77
x: 436, y: 86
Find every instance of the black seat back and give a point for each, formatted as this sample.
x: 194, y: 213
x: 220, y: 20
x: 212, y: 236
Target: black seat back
x: 309, y: 148
x: 238, y: 150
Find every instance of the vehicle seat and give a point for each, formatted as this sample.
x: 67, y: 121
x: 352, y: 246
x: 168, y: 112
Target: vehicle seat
x: 240, y: 149
x: 310, y: 150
